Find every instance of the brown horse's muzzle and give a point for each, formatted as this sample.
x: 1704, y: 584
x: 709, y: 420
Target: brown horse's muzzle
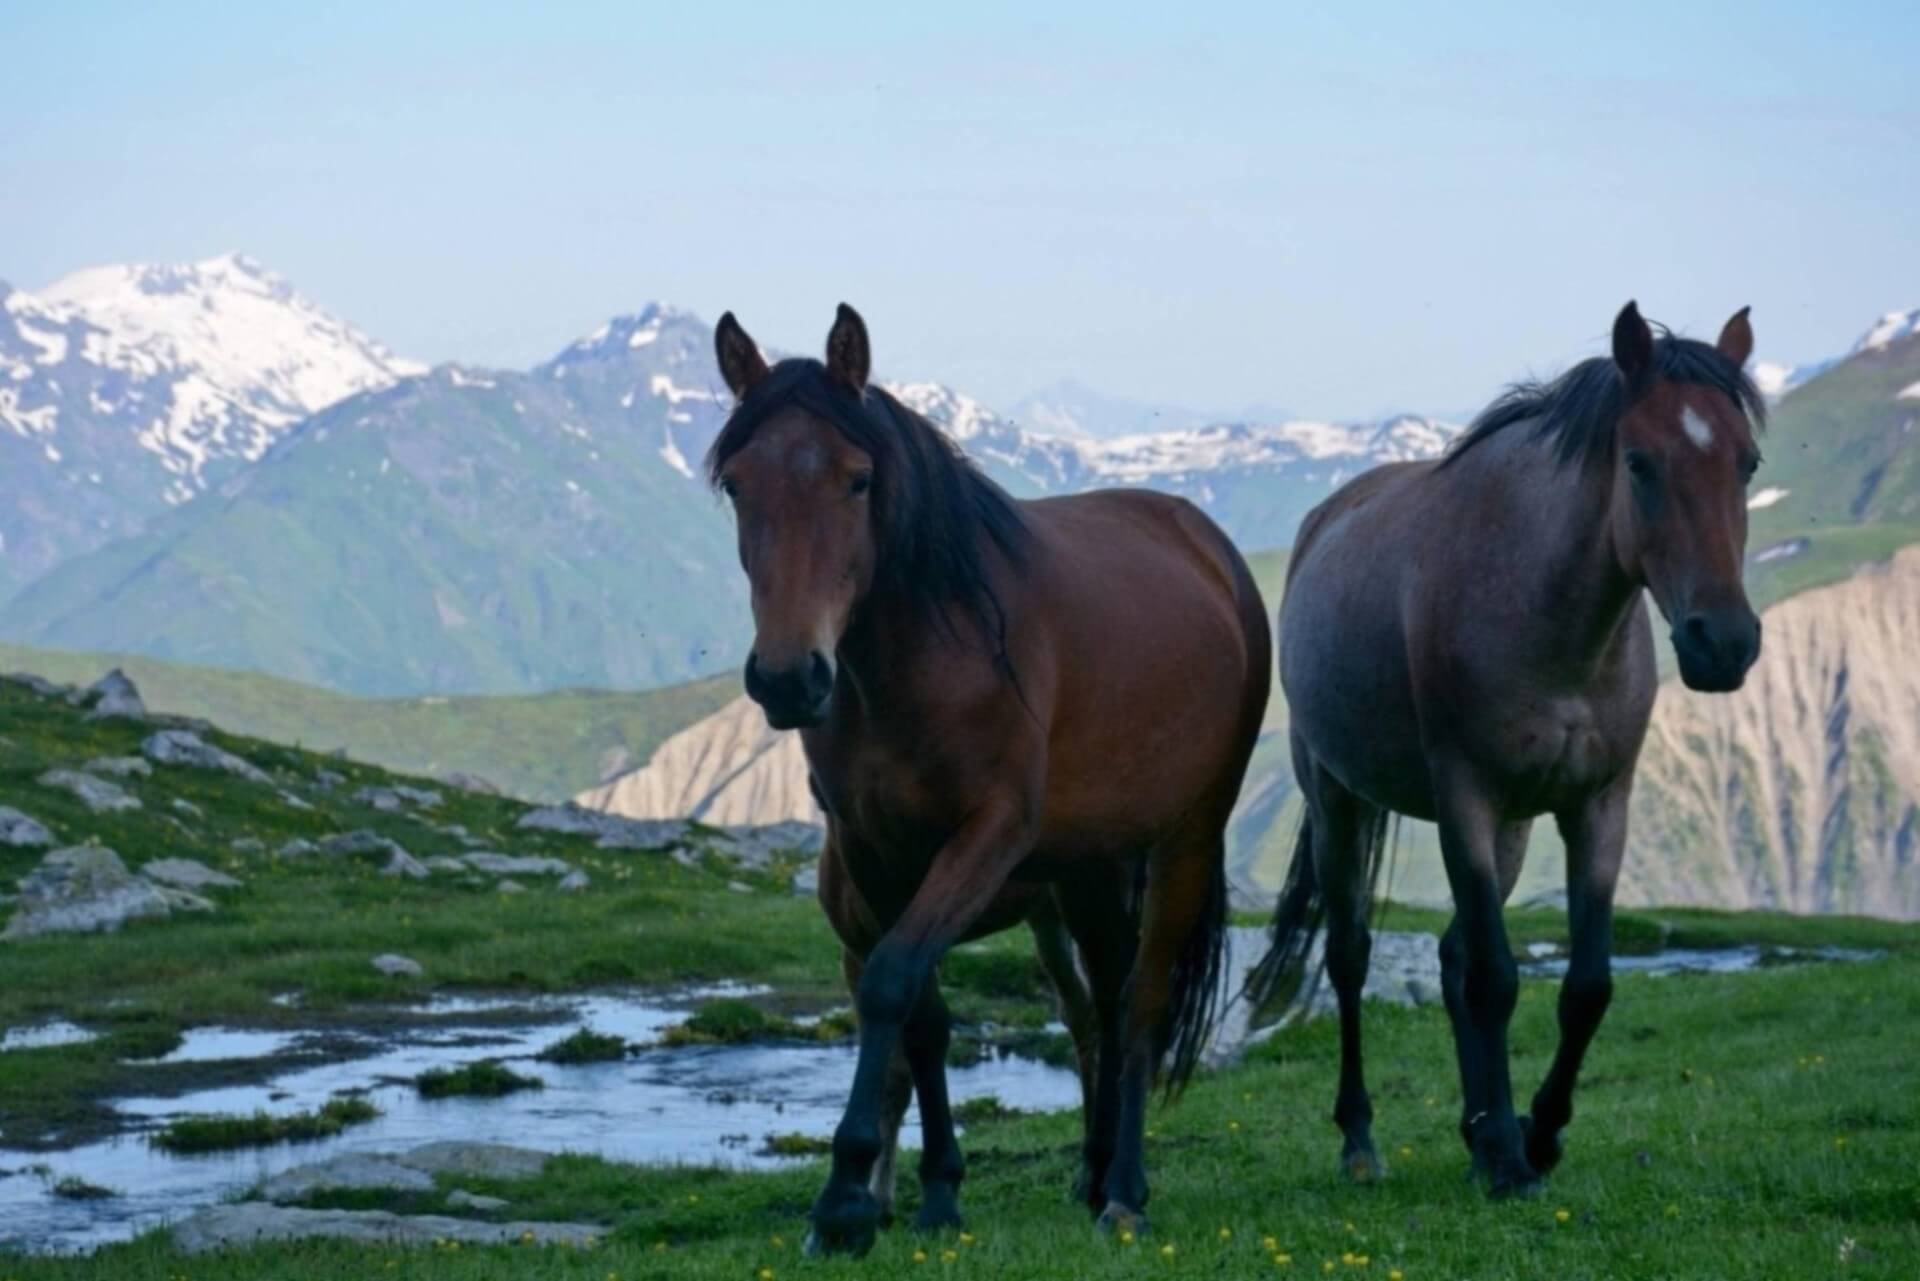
x: 1716, y: 647
x: 795, y: 696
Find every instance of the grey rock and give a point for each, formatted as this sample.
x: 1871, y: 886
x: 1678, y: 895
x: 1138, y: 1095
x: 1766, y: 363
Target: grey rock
x: 404, y: 864
x: 39, y: 684
x: 292, y: 802
x: 740, y: 887
x: 187, y: 874
x: 184, y: 747
x: 573, y: 882
x: 350, y: 1170
x: 393, y: 965
x: 470, y: 783
x: 254, y: 1222
x: 394, y: 799
x: 482, y: 1160
x: 806, y: 881
x: 511, y: 887
x: 326, y: 780
x: 115, y: 695
x: 398, y: 862
x: 298, y: 847
x: 246, y: 845
x: 119, y: 766
x: 187, y: 807
x: 444, y: 863
x: 758, y: 846
x: 97, y: 794
x: 515, y: 865
x: 609, y: 831
x: 470, y: 1201
x: 83, y: 889
x: 20, y: 832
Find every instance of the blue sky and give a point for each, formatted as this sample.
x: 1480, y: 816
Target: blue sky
x: 1339, y: 209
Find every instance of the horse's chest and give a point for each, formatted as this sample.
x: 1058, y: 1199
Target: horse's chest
x: 1559, y: 751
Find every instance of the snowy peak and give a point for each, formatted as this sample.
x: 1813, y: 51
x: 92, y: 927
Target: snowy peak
x: 657, y: 336
x: 1889, y: 329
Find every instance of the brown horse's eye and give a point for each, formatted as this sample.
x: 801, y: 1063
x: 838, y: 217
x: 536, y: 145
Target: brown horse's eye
x: 1639, y: 466
x: 862, y: 482
x: 730, y: 489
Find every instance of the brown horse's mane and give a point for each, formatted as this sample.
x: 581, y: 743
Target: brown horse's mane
x: 935, y: 513
x: 1579, y: 410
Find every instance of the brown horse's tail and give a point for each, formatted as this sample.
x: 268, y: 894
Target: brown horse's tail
x: 1195, y: 997
x: 1298, y: 915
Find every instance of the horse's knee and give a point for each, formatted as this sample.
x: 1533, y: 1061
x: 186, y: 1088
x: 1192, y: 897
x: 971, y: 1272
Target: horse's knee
x: 889, y: 987
x: 1349, y: 953
x: 1492, y: 986
x: 1584, y: 996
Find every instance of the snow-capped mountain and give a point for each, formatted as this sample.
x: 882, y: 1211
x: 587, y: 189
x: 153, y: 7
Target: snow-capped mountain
x: 127, y: 389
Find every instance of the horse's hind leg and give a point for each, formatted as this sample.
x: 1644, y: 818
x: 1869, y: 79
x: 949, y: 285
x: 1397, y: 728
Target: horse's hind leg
x: 1075, y: 1003
x: 1105, y: 925
x: 1343, y: 830
x: 1596, y: 836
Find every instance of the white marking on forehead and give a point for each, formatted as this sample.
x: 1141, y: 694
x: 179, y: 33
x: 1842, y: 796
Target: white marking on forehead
x: 1698, y: 429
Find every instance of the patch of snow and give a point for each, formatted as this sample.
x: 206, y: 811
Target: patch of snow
x: 662, y: 385
x: 1767, y: 498
x: 670, y: 452
x: 1889, y: 329
x: 460, y: 378
x: 1910, y: 392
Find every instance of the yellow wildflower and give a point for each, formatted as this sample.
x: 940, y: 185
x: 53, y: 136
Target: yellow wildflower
x: 1561, y: 1216
x: 1166, y: 1251
x: 948, y: 1256
x: 919, y: 1256
x: 1226, y: 1234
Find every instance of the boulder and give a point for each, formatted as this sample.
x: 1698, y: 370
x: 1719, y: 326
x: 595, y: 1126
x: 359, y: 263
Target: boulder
x: 298, y: 847
x: 83, y: 889
x: 515, y: 865
x: 758, y: 846
x: 470, y: 783
x: 187, y: 874
x: 392, y: 800
x: 349, y: 1170
x: 97, y: 794
x: 609, y: 831
x: 466, y: 1200
x: 246, y: 845
x: 477, y: 1160
x: 357, y: 844
x: 254, y: 1222
x: 444, y: 863
x: 573, y: 882
x: 20, y: 832
x: 393, y: 965
x: 119, y: 766
x: 510, y: 887
x: 115, y: 695
x: 806, y: 881
x: 404, y: 864
x: 292, y: 802
x: 184, y: 747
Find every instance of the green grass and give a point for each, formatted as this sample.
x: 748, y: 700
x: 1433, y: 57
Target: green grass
x: 586, y: 1046
x: 74, y: 1188
x: 1729, y: 1127
x: 731, y: 1021
x: 539, y: 746
x: 486, y: 1079
x: 223, y: 1133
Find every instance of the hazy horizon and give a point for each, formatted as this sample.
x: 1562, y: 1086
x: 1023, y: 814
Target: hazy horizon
x: 1342, y: 214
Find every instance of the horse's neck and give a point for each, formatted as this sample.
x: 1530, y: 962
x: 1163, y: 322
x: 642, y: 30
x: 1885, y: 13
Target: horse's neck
x: 1555, y: 548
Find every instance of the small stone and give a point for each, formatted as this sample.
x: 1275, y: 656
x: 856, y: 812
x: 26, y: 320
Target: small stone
x: 98, y: 795
x: 443, y: 863
x: 326, y: 780
x: 115, y: 695
x: 392, y: 800
x: 393, y: 965
x: 184, y: 747
x: 610, y: 831
x: 187, y: 807
x: 187, y: 874
x: 246, y: 845
x: 119, y: 766
x: 806, y: 881
x: 512, y: 865
x: 740, y: 887
x: 293, y: 802
x: 470, y: 783
x: 465, y: 1200
x: 511, y: 887
x: 404, y: 864
x: 20, y: 832
x: 573, y: 882
x: 298, y: 847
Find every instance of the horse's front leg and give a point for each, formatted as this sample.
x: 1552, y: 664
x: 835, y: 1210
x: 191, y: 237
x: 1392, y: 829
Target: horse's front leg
x: 1469, y: 840
x: 1596, y: 837
x: 970, y: 869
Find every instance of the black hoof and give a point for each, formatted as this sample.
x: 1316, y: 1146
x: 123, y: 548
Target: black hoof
x: 1361, y: 1164
x: 1086, y: 1191
x: 1516, y: 1180
x: 939, y: 1209
x: 1543, y: 1149
x: 1117, y: 1220
x: 845, y: 1221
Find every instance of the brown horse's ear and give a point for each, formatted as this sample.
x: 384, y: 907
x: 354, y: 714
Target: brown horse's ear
x: 1736, y: 340
x: 740, y: 361
x: 849, y: 356
x: 1632, y: 344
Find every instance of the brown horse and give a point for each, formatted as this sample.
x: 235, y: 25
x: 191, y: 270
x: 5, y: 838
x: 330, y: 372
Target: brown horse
x: 1059, y: 694
x: 1467, y: 641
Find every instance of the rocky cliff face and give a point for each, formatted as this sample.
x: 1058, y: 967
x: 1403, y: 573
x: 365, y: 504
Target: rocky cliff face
x: 1800, y: 792
x: 728, y: 769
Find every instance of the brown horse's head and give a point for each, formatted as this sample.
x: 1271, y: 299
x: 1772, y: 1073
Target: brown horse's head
x: 1684, y: 452
x: 802, y: 503
x: 839, y: 493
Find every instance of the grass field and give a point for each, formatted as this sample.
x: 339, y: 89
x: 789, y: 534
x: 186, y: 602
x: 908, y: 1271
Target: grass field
x: 1757, y: 1125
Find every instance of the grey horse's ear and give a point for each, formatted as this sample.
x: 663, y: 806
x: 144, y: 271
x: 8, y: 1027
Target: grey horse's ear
x: 1632, y: 344
x: 740, y: 361
x: 1736, y: 338
x: 849, y: 355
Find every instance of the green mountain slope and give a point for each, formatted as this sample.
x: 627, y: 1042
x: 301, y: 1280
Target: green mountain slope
x: 537, y: 746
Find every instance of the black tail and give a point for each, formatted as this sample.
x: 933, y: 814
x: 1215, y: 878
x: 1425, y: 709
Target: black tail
x: 1195, y: 998
x: 1299, y: 914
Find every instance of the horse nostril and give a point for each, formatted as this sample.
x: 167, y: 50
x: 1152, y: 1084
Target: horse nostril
x: 820, y: 676
x: 756, y: 688
x: 1698, y: 632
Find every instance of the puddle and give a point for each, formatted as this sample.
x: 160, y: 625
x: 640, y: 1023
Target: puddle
x: 705, y: 1105
x: 42, y: 1035
x: 1684, y: 960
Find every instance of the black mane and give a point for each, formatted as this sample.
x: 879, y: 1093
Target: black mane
x: 1579, y: 410
x: 933, y: 509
